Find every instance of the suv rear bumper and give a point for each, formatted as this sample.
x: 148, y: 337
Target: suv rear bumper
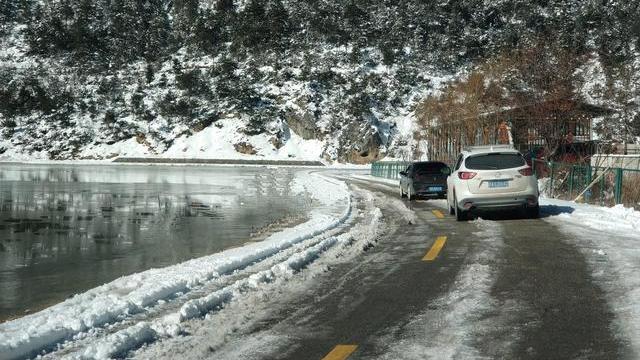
x: 517, y: 200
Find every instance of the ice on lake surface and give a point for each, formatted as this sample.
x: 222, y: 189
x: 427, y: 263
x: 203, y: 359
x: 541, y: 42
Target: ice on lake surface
x: 65, y: 229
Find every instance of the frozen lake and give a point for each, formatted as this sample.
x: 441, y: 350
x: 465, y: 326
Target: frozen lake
x: 65, y: 229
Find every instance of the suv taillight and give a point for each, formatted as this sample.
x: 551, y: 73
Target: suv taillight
x: 526, y: 171
x: 466, y: 175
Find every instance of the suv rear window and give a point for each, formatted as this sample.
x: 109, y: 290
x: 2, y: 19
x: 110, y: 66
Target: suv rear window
x: 429, y: 168
x: 495, y: 161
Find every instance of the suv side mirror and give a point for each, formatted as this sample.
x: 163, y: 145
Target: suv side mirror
x: 403, y: 173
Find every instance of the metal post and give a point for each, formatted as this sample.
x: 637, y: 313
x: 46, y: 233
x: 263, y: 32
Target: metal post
x: 551, y: 181
x: 619, y: 174
x: 602, y: 185
x: 587, y: 196
x: 571, y: 182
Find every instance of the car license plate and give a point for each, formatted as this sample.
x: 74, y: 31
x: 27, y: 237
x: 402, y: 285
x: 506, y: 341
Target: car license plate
x: 498, y: 184
x: 434, y: 188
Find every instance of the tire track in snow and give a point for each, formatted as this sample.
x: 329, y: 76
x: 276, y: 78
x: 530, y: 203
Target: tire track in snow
x: 120, y: 343
x: 167, y: 313
x: 209, y: 337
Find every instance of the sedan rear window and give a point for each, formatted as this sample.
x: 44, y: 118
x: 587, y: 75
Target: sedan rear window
x: 496, y: 161
x: 430, y: 168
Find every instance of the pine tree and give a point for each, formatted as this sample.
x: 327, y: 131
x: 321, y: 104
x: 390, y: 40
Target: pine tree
x: 280, y: 25
x: 88, y: 31
x: 155, y: 29
x: 252, y: 29
x: 210, y: 30
x: 185, y: 15
x: 123, y: 32
x: 8, y: 13
x: 225, y: 5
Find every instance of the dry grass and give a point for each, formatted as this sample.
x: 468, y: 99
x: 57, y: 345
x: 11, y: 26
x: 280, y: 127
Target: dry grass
x: 631, y: 189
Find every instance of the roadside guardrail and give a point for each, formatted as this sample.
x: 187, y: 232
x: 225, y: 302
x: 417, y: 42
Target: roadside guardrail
x: 388, y: 169
x: 600, y: 185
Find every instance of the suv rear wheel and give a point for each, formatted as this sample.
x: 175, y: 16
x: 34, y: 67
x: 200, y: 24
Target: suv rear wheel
x: 461, y: 215
x: 533, y: 212
x: 452, y: 211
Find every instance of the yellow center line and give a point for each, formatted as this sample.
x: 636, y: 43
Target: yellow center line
x: 340, y: 352
x: 435, y: 249
x: 438, y: 214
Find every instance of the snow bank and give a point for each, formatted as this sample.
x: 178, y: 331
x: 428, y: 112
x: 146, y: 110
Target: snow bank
x: 616, y: 219
x: 134, y: 293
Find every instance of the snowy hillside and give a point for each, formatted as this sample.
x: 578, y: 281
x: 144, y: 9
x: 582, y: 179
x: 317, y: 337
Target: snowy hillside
x: 273, y: 79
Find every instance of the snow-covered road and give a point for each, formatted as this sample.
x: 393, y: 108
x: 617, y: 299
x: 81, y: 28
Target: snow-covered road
x: 564, y: 286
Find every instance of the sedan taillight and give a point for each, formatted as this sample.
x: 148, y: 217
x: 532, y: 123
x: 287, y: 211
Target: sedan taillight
x: 526, y: 171
x: 466, y: 175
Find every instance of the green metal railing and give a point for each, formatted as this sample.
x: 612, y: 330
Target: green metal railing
x: 388, y: 169
x: 610, y: 185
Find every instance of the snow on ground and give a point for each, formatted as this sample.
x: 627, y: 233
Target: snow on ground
x: 126, y: 148
x: 137, y: 293
x: 211, y: 333
x: 610, y: 241
x: 448, y: 328
x: 404, y: 138
x: 614, y: 220
x: 215, y: 142
x: 14, y: 154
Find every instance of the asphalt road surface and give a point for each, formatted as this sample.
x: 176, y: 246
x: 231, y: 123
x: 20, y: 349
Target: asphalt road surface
x: 435, y: 288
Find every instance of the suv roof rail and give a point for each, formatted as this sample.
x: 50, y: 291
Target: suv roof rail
x: 489, y: 147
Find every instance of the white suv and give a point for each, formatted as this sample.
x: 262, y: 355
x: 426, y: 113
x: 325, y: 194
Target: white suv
x: 492, y: 177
